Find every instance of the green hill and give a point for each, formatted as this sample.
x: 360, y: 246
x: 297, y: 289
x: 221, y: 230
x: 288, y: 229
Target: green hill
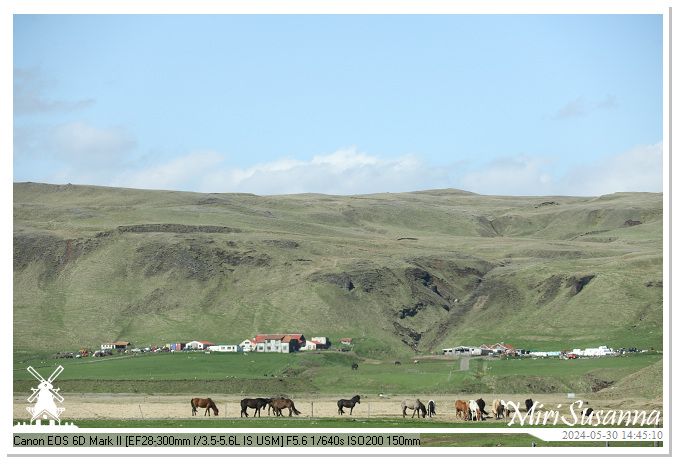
x: 404, y: 273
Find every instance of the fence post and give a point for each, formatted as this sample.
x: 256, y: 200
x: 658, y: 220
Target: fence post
x: 312, y: 409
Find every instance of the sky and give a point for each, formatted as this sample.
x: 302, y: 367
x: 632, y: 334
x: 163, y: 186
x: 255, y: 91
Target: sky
x: 496, y: 104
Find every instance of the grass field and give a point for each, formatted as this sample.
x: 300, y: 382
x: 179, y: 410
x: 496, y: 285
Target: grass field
x: 330, y: 372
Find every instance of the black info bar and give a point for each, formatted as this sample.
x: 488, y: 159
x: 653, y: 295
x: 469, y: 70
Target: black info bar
x: 164, y: 440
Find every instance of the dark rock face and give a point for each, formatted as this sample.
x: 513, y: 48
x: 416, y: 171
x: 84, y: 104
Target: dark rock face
x: 577, y: 284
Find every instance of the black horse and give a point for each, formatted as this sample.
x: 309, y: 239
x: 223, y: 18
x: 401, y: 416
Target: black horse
x: 354, y: 366
x: 341, y: 404
x: 482, y: 407
x: 431, y: 408
x: 254, y: 403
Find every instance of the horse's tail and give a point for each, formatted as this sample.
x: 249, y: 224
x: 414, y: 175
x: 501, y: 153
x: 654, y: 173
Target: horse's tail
x: 214, y: 407
x: 193, y: 407
x: 292, y: 405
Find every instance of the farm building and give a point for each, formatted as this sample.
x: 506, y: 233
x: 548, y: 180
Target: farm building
x: 601, y: 351
x: 225, y: 348
x: 196, y: 345
x: 115, y: 346
x: 311, y: 345
x: 248, y: 344
x: 465, y: 351
x: 346, y: 341
x: 501, y: 348
x: 279, y: 343
x: 321, y: 340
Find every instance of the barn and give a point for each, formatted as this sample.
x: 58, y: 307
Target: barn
x: 196, y: 345
x: 115, y: 346
x: 465, y: 351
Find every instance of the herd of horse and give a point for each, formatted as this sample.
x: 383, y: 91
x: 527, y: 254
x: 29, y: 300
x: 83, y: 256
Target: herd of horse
x: 473, y: 410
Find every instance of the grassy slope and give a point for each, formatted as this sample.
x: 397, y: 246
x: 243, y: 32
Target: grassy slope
x: 285, y: 264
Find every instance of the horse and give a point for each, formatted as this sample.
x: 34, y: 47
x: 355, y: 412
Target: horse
x: 461, y: 409
x: 416, y: 405
x: 257, y: 404
x: 482, y: 407
x: 397, y: 363
x: 431, y: 408
x: 341, y: 404
x: 474, y: 411
x: 281, y: 403
x: 529, y: 404
x: 206, y: 403
x: 587, y: 412
x: 354, y: 366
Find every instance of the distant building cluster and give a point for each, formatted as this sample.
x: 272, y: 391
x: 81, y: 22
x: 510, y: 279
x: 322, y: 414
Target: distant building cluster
x: 508, y: 350
x: 264, y: 343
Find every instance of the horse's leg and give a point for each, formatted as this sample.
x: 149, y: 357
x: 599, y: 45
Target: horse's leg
x: 351, y: 411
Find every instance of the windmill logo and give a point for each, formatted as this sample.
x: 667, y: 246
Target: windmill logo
x: 44, y: 396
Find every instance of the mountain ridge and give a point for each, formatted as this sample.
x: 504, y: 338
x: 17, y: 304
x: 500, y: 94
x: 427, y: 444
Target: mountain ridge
x: 409, y: 273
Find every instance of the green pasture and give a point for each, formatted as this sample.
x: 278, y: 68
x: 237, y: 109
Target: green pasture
x: 331, y: 373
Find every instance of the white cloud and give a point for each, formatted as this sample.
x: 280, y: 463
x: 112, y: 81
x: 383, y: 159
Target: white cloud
x: 180, y: 173
x: 344, y: 172
x: 581, y: 107
x: 639, y: 169
x: 87, y: 145
x: 521, y: 175
x: 30, y: 87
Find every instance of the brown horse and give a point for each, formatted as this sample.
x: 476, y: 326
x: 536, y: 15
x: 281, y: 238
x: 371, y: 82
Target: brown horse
x: 281, y: 403
x: 206, y: 403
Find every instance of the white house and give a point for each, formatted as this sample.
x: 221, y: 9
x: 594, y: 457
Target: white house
x: 320, y: 340
x: 311, y: 345
x: 248, y: 345
x: 196, y: 345
x: 464, y: 351
x: 225, y: 348
x: 279, y: 343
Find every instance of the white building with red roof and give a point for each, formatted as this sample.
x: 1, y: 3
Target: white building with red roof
x: 279, y: 343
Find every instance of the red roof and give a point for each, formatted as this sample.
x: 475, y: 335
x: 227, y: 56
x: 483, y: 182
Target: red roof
x: 502, y: 346
x: 262, y: 338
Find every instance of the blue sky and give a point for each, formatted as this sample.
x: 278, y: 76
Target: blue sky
x: 341, y: 104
